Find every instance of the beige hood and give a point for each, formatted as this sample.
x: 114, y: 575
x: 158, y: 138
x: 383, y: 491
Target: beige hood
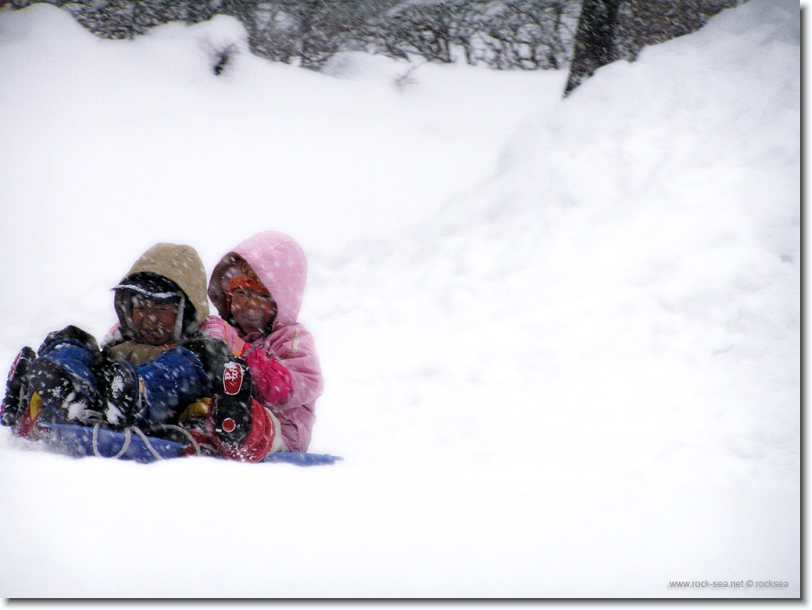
x: 182, y: 265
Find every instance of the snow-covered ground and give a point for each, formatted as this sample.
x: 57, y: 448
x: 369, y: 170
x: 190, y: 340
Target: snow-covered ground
x: 561, y: 339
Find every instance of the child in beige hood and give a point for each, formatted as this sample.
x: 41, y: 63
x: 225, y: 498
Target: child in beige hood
x: 152, y: 365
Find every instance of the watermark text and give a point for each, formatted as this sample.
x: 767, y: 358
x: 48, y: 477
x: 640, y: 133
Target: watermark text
x: 728, y: 584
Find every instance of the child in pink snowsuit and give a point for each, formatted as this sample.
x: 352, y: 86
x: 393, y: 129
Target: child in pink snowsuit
x: 257, y: 288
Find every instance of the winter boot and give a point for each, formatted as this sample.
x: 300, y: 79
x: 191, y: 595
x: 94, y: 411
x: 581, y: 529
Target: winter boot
x: 16, y: 387
x: 71, y: 334
x: 63, y: 375
x: 169, y: 383
x: 231, y: 406
x: 121, y: 397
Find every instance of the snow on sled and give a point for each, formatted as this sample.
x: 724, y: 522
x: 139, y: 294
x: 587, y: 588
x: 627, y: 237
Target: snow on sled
x: 133, y: 444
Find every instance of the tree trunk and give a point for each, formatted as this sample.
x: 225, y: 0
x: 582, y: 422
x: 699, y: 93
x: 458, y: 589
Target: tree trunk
x: 594, y: 40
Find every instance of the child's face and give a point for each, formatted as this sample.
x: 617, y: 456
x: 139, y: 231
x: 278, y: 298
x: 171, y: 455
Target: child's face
x: 253, y: 310
x: 154, y: 320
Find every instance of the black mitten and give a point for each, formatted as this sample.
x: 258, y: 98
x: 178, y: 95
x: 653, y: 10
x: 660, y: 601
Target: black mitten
x: 212, y: 352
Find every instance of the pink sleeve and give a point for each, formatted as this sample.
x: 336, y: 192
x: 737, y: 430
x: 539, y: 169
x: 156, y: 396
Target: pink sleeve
x: 293, y: 346
x: 214, y: 326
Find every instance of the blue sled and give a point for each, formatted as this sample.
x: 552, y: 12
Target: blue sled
x: 81, y: 441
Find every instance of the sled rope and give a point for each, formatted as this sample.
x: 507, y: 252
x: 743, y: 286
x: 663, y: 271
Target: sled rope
x: 183, y: 431
x: 128, y: 435
x: 127, y: 438
x: 150, y: 448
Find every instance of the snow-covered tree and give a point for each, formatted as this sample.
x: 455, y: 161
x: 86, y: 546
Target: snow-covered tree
x: 502, y: 34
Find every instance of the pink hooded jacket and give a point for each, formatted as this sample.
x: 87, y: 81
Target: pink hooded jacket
x: 280, y: 264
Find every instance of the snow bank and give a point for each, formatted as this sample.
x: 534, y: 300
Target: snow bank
x: 561, y: 339
x: 635, y: 264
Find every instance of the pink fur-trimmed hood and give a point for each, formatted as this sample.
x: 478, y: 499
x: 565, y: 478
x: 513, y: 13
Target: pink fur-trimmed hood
x: 279, y: 263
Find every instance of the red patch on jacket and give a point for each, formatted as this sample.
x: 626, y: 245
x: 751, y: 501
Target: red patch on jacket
x: 232, y: 378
